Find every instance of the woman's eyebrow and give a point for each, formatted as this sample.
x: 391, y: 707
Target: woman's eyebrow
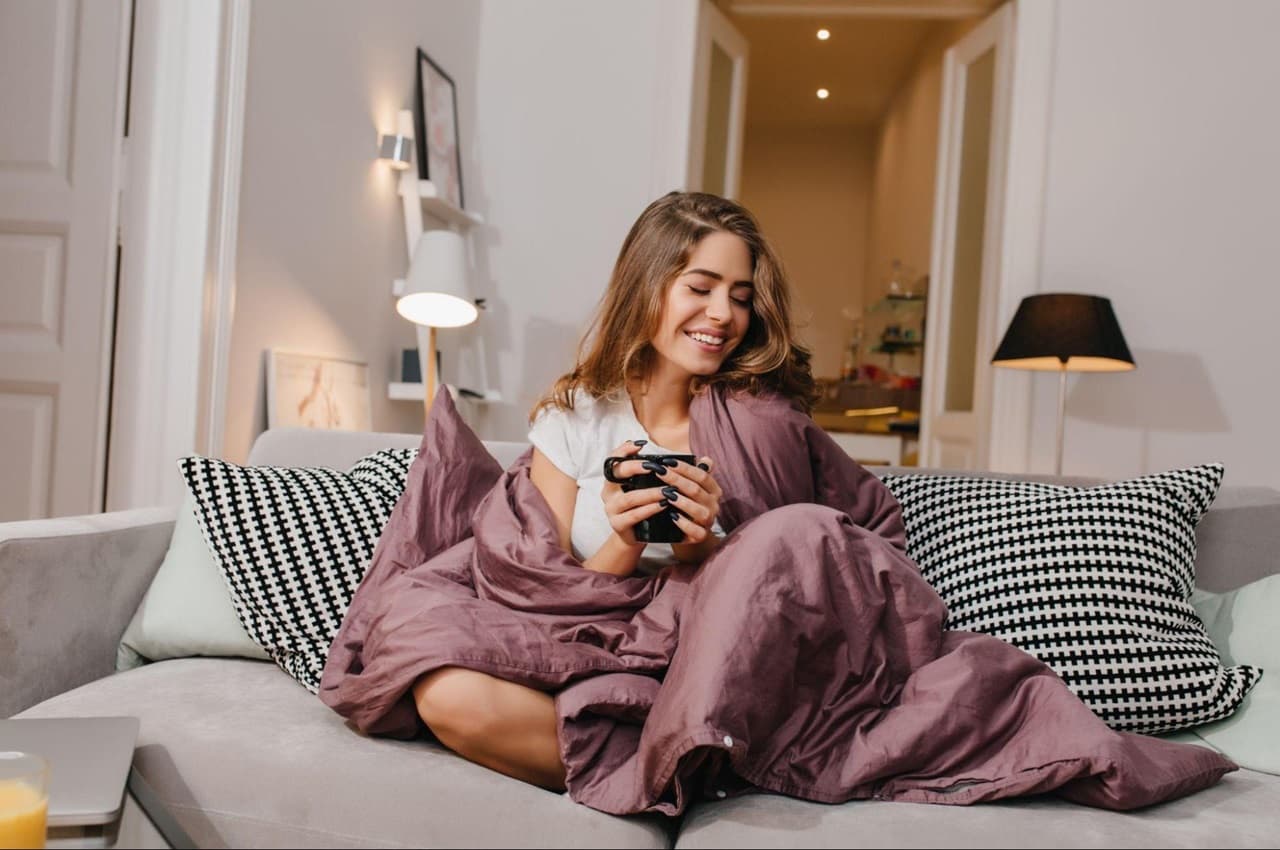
x: 718, y: 276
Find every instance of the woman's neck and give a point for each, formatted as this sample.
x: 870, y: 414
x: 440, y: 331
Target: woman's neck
x: 661, y: 404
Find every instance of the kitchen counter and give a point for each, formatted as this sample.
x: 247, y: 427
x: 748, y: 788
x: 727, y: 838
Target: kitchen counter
x: 873, y: 438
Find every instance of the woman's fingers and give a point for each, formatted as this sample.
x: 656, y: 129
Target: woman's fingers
x: 693, y: 532
x: 690, y: 504
x: 692, y: 482
x: 625, y: 520
x: 629, y: 468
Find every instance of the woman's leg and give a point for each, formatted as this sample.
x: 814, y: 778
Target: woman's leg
x: 499, y: 724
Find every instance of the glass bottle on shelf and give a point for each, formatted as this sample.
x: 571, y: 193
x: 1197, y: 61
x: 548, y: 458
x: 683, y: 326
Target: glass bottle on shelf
x: 850, y: 361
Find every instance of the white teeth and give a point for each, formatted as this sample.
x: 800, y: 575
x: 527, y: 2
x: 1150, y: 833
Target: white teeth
x: 704, y: 338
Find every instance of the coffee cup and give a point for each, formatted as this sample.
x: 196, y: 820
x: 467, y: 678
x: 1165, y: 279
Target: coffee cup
x: 659, y: 528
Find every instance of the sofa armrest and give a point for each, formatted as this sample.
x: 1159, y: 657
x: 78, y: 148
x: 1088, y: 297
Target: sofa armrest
x: 68, y: 589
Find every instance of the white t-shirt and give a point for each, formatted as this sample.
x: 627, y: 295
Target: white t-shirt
x: 577, y: 441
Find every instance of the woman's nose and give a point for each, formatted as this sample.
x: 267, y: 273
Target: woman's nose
x: 718, y: 309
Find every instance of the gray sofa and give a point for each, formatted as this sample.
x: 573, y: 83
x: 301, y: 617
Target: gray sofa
x: 243, y: 756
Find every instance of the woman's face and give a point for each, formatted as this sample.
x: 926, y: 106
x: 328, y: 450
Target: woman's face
x: 707, y: 309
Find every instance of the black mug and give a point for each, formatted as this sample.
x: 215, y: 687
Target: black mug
x: 659, y: 528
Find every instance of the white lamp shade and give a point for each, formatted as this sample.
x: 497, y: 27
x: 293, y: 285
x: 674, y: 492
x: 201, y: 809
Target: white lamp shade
x: 436, y: 293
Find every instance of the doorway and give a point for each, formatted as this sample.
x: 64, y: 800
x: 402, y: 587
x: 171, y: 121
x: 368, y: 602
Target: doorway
x: 842, y: 162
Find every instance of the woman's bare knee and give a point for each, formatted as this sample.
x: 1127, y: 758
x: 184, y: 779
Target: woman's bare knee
x: 451, y: 701
x: 502, y: 725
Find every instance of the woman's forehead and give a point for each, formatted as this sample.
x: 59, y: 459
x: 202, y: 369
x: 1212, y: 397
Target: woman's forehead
x: 724, y: 256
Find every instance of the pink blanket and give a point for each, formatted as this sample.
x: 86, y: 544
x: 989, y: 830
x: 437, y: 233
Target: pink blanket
x: 807, y: 656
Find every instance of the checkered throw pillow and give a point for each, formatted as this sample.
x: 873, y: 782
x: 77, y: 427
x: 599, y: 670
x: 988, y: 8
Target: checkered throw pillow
x: 1092, y: 581
x: 293, y: 544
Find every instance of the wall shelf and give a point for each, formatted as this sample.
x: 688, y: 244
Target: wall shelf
x: 425, y: 196
x: 402, y: 391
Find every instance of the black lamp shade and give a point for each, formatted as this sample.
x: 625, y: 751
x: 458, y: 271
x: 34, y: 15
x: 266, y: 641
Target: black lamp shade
x: 1056, y: 331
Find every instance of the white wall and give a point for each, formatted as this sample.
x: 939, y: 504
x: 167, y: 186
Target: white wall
x: 571, y: 128
x: 570, y: 123
x: 1163, y: 194
x: 810, y: 188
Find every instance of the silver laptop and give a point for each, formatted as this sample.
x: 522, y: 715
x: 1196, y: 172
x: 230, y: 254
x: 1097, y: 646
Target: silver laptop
x: 89, y: 760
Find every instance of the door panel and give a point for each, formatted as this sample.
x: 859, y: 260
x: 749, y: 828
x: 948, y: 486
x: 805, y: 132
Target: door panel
x: 33, y: 287
x: 62, y: 72
x: 26, y: 419
x: 965, y: 273
x: 36, y: 60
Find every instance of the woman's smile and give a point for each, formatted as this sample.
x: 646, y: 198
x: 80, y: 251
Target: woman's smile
x: 707, y: 341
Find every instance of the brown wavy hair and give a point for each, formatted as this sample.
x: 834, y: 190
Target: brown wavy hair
x: 616, y: 347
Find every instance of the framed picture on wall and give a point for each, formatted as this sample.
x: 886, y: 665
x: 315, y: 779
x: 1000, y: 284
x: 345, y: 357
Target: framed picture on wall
x: 305, y: 391
x: 435, y: 116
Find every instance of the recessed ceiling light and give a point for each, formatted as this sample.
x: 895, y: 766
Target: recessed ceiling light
x: 823, y: 35
x: 823, y: 94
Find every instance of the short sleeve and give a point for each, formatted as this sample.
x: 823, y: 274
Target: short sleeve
x: 551, y: 435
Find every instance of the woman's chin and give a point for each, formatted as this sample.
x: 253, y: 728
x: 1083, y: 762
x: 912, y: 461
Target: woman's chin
x: 705, y: 368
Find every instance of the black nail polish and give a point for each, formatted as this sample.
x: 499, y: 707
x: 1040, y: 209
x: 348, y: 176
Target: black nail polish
x: 640, y: 442
x: 671, y: 493
x: 654, y: 466
x: 674, y: 515
x: 669, y: 461
x: 704, y: 467
x: 664, y: 503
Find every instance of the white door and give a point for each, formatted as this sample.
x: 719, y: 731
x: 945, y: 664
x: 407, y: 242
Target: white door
x: 63, y: 66
x: 965, y: 274
x: 719, y: 104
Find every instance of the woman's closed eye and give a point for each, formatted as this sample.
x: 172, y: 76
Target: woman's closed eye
x: 742, y: 302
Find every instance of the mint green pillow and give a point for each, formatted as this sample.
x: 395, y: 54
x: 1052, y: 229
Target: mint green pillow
x: 187, y: 610
x: 1243, y: 625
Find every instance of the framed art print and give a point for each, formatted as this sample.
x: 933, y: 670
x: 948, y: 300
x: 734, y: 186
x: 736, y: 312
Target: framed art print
x: 435, y: 116
x: 304, y: 391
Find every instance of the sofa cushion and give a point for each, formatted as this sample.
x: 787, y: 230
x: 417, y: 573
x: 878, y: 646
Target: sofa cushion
x: 1244, y: 627
x: 293, y: 544
x: 243, y: 757
x: 1093, y: 581
x: 1243, y: 810
x: 187, y: 610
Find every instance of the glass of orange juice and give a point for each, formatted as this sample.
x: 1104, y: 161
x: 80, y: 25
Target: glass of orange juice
x: 24, y: 800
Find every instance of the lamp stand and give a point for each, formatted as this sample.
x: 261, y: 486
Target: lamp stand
x: 1062, y: 414
x: 427, y: 359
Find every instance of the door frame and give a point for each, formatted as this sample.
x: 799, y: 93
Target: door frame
x: 1002, y: 398
x: 713, y: 28
x: 179, y: 219
x: 1009, y: 419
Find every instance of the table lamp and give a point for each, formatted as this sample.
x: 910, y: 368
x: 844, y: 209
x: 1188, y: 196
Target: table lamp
x: 437, y: 294
x: 1064, y: 332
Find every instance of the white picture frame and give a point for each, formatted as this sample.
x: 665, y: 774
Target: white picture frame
x: 311, y: 391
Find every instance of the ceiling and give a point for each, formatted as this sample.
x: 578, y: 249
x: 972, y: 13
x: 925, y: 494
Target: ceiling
x: 872, y: 48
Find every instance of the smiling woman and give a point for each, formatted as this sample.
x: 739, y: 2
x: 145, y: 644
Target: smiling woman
x: 697, y: 301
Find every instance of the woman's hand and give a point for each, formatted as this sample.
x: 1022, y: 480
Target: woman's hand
x: 693, y: 491
x: 623, y: 509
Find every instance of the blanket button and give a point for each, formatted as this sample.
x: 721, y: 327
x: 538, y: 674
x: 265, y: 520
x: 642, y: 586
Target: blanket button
x: 728, y: 741
x: 721, y: 794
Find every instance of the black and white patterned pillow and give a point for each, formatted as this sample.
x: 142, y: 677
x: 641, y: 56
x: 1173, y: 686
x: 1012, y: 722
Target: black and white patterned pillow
x: 293, y: 544
x: 1092, y: 581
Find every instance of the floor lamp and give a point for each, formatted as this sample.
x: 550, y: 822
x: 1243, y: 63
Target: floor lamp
x: 437, y: 295
x: 1064, y: 332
